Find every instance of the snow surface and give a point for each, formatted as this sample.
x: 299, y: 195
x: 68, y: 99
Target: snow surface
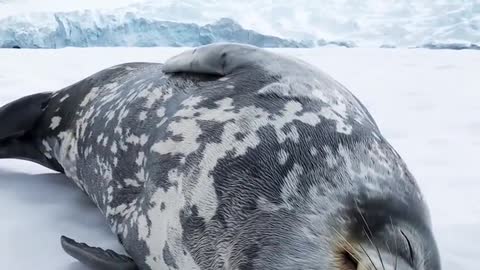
x: 425, y: 102
x: 365, y: 22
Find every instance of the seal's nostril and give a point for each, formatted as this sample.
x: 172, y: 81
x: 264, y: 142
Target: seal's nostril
x: 348, y: 261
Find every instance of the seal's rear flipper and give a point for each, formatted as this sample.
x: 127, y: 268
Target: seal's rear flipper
x: 21, y: 115
x: 97, y: 258
x: 20, y: 130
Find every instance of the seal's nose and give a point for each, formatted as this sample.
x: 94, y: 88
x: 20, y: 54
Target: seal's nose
x: 348, y: 261
x: 365, y: 259
x: 353, y: 257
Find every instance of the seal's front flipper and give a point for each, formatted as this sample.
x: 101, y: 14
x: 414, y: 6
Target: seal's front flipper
x: 225, y: 58
x: 97, y: 258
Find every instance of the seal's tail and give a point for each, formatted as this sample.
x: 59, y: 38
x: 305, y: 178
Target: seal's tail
x: 17, y: 120
x: 19, y: 117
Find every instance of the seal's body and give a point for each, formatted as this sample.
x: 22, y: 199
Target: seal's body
x: 230, y: 157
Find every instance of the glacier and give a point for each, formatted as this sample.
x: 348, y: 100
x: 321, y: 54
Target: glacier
x: 439, y: 24
x: 94, y: 29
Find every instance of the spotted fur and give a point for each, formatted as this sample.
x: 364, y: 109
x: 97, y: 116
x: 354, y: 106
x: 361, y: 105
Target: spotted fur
x: 245, y: 167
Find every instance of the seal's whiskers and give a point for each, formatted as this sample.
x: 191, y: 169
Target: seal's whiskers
x: 368, y: 256
x: 368, y: 234
x: 348, y: 243
x: 396, y: 248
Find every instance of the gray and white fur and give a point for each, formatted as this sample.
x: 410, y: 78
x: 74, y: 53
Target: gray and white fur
x: 231, y: 157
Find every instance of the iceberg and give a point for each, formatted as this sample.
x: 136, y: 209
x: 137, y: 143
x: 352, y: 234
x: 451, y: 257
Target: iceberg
x: 451, y: 46
x: 282, y: 23
x: 94, y: 29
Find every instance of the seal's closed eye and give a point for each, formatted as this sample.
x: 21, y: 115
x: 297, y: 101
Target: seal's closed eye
x: 409, y: 246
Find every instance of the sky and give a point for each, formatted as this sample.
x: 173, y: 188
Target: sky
x: 13, y: 7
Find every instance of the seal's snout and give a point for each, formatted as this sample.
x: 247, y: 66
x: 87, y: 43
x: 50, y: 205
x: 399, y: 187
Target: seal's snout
x: 347, y: 259
x: 395, y: 247
x: 354, y: 256
x: 362, y: 257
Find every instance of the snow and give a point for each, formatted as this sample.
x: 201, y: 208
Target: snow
x: 365, y: 22
x: 426, y: 103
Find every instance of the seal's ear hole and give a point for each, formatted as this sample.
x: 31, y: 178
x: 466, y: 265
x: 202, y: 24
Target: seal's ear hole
x: 348, y: 261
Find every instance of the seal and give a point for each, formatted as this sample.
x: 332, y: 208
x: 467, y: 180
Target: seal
x: 227, y: 157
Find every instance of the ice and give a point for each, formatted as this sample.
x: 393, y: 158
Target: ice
x: 96, y: 29
x: 426, y: 103
x: 373, y: 23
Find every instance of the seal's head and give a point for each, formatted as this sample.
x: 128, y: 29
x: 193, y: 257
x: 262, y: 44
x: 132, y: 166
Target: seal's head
x: 356, y: 232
